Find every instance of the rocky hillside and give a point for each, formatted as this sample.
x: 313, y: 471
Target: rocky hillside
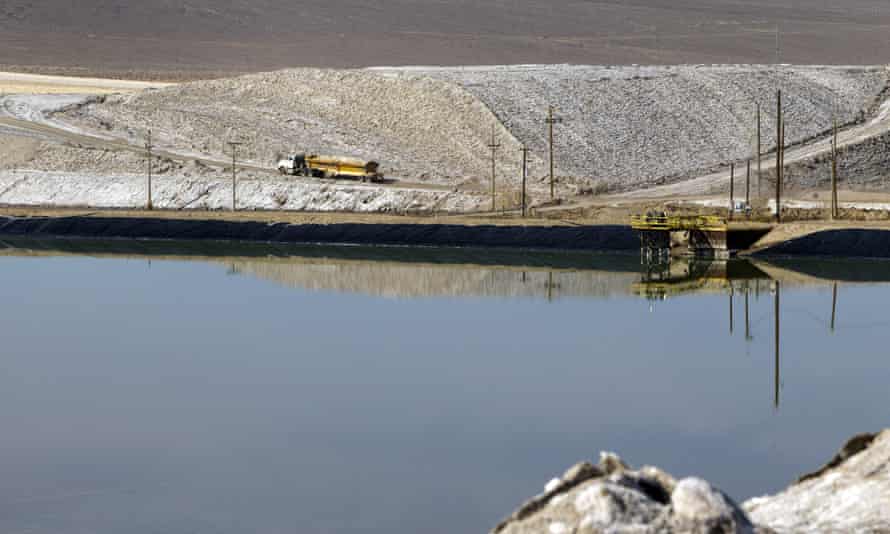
x: 631, y: 126
x: 421, y: 129
x: 624, y: 127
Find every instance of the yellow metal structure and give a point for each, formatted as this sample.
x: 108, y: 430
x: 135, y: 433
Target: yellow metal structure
x: 677, y: 223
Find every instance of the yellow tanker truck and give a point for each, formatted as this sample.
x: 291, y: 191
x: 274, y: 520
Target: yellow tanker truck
x: 330, y: 167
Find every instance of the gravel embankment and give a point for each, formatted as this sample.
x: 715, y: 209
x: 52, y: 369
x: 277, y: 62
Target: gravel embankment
x: 861, y: 166
x: 625, y: 127
x: 631, y: 126
x: 201, y: 191
x: 419, y: 128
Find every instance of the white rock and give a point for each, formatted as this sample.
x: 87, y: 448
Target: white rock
x: 552, y: 485
x: 696, y: 500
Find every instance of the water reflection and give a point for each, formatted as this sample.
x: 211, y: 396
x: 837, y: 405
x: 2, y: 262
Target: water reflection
x: 315, y: 389
x: 659, y: 282
x: 428, y: 272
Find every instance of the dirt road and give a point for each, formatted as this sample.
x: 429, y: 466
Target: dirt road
x: 713, y: 182
x: 20, y: 83
x: 32, y: 119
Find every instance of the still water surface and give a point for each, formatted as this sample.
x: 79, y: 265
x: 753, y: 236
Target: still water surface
x: 326, y: 392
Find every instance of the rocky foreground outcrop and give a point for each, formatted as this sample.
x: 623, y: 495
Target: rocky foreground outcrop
x: 850, y: 494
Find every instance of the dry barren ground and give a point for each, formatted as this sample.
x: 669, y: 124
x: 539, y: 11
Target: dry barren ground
x: 625, y: 127
x: 205, y: 38
x: 25, y: 83
x: 638, y: 131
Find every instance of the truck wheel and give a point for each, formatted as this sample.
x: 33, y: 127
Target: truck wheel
x: 282, y: 170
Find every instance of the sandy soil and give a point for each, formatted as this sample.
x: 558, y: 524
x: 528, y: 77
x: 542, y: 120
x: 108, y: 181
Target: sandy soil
x: 203, y: 37
x: 24, y: 83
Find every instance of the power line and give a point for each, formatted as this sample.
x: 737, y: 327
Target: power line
x: 525, y: 151
x: 148, y: 147
x: 550, y: 122
x: 493, y: 146
x: 234, y: 145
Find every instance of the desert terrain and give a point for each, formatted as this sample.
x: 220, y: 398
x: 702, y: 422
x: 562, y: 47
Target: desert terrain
x: 628, y: 134
x: 175, y: 39
x: 86, y: 82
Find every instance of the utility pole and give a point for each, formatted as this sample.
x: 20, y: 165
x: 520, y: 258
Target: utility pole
x: 550, y: 122
x: 834, y: 207
x: 783, y: 150
x: 148, y: 147
x: 731, y: 189
x: 524, y: 151
x: 493, y: 146
x: 759, y: 150
x: 748, y: 186
x: 234, y: 145
x: 779, y: 130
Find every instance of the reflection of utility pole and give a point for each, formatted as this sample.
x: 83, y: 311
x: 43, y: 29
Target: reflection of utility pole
x: 747, y: 316
x: 776, y: 378
x: 524, y: 151
x: 148, y: 147
x: 550, y: 286
x: 234, y: 145
x: 730, y: 308
x: 493, y: 146
x: 833, y: 305
x: 550, y: 122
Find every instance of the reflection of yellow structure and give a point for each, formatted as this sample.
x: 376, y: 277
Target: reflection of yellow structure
x: 680, y: 277
x: 678, y: 223
x: 660, y: 290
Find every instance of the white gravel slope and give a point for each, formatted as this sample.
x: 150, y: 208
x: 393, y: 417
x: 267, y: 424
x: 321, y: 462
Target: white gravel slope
x: 419, y: 128
x: 625, y: 129
x: 633, y: 126
x: 43, y: 188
